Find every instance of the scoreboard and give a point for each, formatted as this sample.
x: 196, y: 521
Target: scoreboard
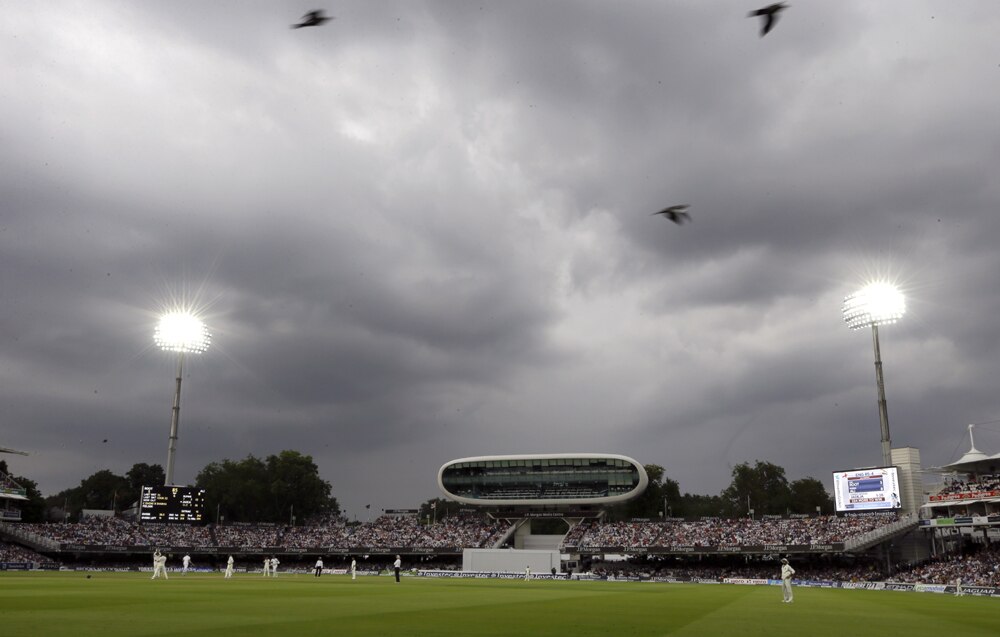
x: 171, y: 504
x: 874, y: 489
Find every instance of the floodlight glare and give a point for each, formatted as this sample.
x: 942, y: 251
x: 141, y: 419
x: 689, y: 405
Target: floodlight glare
x: 181, y: 332
x: 875, y: 304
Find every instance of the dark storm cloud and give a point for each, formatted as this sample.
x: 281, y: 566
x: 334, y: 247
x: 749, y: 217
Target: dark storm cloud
x: 423, y: 231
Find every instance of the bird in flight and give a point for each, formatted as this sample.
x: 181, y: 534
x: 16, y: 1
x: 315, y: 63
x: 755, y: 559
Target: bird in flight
x: 770, y: 15
x: 312, y: 19
x: 678, y: 214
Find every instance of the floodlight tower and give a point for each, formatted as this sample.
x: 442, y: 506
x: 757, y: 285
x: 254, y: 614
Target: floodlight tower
x: 873, y: 305
x: 183, y: 333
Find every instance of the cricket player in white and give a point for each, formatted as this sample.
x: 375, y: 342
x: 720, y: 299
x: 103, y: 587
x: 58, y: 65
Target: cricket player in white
x: 274, y: 566
x: 267, y: 566
x: 159, y: 565
x: 527, y: 573
x: 958, y: 587
x: 786, y: 581
x: 187, y: 562
x: 354, y: 568
x: 229, y: 567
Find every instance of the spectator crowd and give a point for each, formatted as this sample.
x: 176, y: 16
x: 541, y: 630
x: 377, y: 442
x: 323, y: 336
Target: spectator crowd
x: 980, y: 567
x: 824, y: 529
x: 984, y: 483
x: 385, y: 532
x: 16, y: 553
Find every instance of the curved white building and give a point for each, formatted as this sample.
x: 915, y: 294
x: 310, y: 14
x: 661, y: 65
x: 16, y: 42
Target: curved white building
x: 543, y: 479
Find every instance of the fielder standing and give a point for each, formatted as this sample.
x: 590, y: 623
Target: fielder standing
x: 786, y: 581
x: 229, y: 567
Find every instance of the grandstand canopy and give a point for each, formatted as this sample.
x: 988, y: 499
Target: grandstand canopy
x: 977, y: 462
x: 974, y: 460
x: 543, y: 479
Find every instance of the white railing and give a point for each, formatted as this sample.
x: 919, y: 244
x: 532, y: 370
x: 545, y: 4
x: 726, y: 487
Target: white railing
x: 39, y: 541
x: 906, y: 521
x: 503, y: 538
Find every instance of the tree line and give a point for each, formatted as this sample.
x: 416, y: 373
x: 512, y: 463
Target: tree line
x: 759, y: 489
x: 286, y: 487
x: 271, y: 489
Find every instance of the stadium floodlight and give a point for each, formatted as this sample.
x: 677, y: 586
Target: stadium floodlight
x: 876, y: 304
x: 183, y: 333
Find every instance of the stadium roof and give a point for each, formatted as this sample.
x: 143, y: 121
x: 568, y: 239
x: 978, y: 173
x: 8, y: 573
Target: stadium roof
x: 974, y: 460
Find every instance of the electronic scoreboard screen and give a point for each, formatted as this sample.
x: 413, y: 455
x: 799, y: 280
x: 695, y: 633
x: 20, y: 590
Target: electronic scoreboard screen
x: 866, y: 490
x: 171, y: 504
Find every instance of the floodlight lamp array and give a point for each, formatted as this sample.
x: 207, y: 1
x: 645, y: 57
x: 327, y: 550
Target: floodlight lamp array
x: 181, y: 332
x: 875, y: 304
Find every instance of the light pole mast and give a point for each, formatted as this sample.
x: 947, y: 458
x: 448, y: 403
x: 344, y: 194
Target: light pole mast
x: 873, y: 305
x: 182, y: 333
x: 883, y: 410
x: 175, y: 417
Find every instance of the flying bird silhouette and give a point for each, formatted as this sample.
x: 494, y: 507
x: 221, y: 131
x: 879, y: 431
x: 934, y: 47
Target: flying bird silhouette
x: 770, y: 15
x: 312, y: 19
x: 678, y: 214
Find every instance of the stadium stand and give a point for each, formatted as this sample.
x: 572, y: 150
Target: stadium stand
x: 730, y: 532
x: 16, y: 553
x: 983, y: 484
x: 247, y: 535
x: 394, y: 532
x: 976, y: 566
x: 386, y: 532
x: 980, y: 567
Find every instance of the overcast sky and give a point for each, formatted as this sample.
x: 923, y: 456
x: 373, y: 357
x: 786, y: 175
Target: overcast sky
x: 423, y: 231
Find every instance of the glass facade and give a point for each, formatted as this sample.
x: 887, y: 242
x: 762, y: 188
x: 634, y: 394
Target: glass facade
x: 551, y: 478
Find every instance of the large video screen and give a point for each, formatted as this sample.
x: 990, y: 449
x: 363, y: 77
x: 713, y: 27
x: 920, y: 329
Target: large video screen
x: 171, y: 504
x: 866, y: 490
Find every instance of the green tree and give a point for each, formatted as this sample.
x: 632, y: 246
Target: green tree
x: 271, y: 490
x: 661, y: 496
x: 142, y: 475
x: 34, y: 509
x: 701, y: 506
x: 102, y: 490
x: 439, y: 509
x: 236, y: 490
x: 809, y: 493
x: 762, y: 487
x: 295, y: 488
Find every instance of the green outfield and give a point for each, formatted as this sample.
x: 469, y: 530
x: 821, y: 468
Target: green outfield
x: 130, y: 604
